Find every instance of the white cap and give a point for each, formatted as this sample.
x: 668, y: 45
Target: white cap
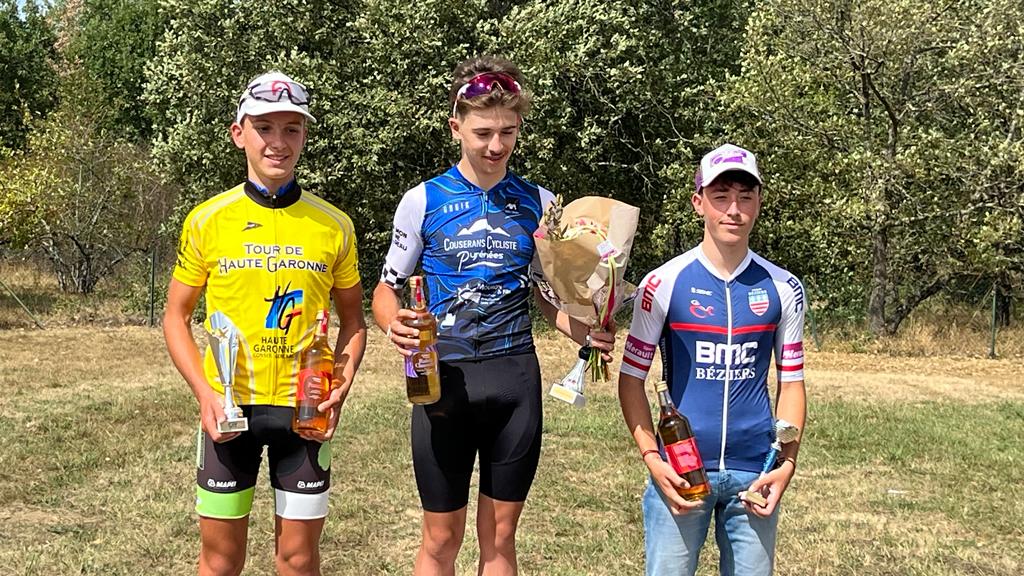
x: 723, y: 159
x: 280, y: 91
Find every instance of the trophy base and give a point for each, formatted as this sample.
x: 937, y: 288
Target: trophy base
x: 233, y: 425
x: 568, y: 395
x: 753, y: 497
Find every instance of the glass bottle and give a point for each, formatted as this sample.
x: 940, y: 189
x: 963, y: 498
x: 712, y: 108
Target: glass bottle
x: 422, y: 373
x: 316, y: 368
x: 681, y: 447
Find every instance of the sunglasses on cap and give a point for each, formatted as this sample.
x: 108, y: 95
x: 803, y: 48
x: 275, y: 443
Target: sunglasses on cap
x: 485, y: 84
x: 277, y: 90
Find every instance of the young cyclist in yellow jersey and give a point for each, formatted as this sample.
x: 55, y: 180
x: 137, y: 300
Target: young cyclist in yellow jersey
x: 268, y: 255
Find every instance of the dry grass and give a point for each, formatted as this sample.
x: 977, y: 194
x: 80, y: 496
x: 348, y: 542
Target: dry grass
x: 910, y: 467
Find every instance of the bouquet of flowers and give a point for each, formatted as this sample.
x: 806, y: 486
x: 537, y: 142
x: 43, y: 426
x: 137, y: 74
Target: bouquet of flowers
x: 582, y: 250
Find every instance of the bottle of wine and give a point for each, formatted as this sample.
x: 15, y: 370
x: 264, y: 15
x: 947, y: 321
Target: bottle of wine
x: 316, y: 368
x: 681, y: 447
x: 422, y: 373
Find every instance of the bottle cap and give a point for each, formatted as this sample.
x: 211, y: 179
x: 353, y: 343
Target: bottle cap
x: 661, y: 386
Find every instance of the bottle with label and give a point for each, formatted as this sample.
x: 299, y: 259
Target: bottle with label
x: 422, y: 374
x: 681, y: 447
x: 316, y: 369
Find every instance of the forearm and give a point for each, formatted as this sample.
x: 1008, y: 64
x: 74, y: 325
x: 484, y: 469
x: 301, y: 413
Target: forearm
x: 385, y: 305
x: 349, y: 349
x: 792, y: 407
x: 562, y: 322
x: 184, y: 353
x: 636, y: 411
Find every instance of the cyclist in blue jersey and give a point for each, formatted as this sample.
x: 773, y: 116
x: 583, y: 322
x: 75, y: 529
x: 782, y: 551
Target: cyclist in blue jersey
x: 718, y: 313
x: 471, y: 230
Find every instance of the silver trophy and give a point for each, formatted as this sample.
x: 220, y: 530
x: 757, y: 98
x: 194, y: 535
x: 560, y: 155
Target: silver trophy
x: 223, y: 339
x: 570, y: 388
x: 784, y: 434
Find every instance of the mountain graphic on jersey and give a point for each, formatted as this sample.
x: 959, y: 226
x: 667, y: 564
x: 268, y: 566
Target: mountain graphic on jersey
x: 478, y: 226
x: 758, y: 301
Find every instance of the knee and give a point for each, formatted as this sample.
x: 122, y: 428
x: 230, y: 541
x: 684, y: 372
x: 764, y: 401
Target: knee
x: 442, y: 542
x: 298, y: 561
x: 214, y: 563
x: 504, y: 536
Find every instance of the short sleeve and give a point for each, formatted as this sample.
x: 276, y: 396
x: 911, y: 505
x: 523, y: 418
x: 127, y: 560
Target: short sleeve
x: 190, y: 265
x: 346, y: 266
x: 789, y: 335
x: 650, y: 309
x: 406, y: 238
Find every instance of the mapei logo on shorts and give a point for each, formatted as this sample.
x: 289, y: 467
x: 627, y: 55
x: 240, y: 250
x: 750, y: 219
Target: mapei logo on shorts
x: 758, y: 300
x: 647, y: 299
x: 301, y: 485
x: 701, y: 311
x: 285, y: 306
x: 218, y: 484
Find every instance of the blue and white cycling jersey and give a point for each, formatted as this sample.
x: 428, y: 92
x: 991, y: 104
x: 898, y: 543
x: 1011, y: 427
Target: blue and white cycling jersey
x: 717, y: 336
x: 476, y: 249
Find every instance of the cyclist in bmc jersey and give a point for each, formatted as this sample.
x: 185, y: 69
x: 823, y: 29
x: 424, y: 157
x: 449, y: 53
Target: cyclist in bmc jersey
x: 718, y: 313
x: 269, y: 255
x: 471, y: 229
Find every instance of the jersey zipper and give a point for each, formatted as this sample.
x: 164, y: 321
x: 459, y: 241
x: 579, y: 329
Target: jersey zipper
x: 728, y: 370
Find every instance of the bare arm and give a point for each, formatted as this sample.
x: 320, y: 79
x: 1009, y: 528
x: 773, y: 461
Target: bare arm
x: 388, y: 314
x: 181, y: 301
x: 348, y: 351
x: 574, y: 329
x: 791, y: 405
x: 637, y: 412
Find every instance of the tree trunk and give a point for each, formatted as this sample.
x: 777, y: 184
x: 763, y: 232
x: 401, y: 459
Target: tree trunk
x: 879, y: 281
x: 1004, y: 305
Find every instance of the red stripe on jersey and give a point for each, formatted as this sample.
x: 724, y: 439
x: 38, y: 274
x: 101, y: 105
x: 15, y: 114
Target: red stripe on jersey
x: 635, y: 364
x: 793, y: 368
x: 755, y: 328
x: 720, y: 330
x: 697, y: 328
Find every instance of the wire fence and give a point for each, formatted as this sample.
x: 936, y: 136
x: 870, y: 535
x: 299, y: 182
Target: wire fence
x: 30, y: 298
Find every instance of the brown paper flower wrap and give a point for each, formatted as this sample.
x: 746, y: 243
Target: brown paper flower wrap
x: 582, y: 250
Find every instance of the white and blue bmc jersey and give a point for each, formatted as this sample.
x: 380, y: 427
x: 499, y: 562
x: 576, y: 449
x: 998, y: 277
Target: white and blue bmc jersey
x: 476, y: 249
x: 717, y: 336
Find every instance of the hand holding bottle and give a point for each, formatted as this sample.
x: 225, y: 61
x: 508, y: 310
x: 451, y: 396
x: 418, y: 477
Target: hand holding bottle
x: 670, y: 484
x: 404, y: 337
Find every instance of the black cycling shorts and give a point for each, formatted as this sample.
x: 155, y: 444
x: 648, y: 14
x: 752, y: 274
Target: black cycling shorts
x: 300, y: 469
x: 491, y: 406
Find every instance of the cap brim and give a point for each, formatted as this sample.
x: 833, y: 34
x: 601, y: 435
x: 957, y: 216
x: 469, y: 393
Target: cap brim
x: 709, y: 176
x: 258, y: 108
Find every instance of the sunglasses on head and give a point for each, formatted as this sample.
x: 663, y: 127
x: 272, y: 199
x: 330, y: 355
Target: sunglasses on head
x: 277, y: 90
x: 485, y: 84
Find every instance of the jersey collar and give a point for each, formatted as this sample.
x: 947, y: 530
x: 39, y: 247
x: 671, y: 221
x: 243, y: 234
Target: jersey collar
x: 714, y: 271
x: 286, y: 196
x: 456, y: 174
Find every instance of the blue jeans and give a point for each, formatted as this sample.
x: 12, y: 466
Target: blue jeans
x: 746, y: 542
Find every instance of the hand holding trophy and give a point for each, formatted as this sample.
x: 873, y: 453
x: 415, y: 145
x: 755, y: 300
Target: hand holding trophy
x: 223, y: 338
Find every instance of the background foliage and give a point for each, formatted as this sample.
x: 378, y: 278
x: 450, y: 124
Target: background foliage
x: 889, y: 132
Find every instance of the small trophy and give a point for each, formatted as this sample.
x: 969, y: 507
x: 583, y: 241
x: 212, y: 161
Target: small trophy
x: 784, y: 434
x: 570, y: 388
x: 223, y: 339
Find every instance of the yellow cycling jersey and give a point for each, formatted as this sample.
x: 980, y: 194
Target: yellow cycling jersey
x: 268, y: 263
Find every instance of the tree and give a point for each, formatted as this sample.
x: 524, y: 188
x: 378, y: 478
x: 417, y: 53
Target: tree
x: 113, y: 41
x: 88, y: 197
x: 620, y: 93
x: 27, y: 67
x: 851, y: 104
